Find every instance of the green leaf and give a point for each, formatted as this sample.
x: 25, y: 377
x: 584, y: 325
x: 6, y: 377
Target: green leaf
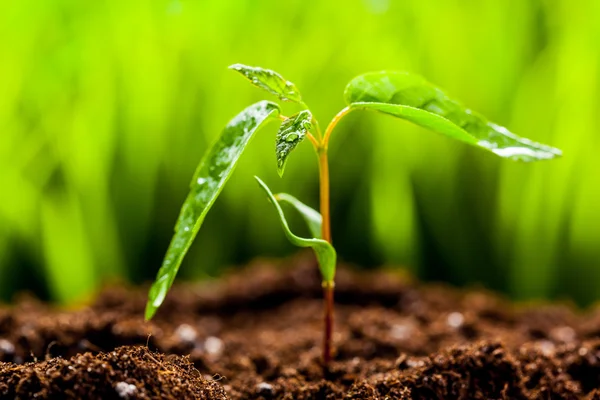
x: 270, y: 81
x: 411, y: 97
x: 311, y: 216
x: 326, y: 255
x: 291, y: 132
x: 210, y: 177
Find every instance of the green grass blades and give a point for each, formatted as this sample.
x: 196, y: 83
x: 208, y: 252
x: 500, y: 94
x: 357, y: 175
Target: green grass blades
x: 291, y: 132
x: 311, y: 216
x: 212, y: 173
x: 270, y: 81
x: 411, y: 97
x: 326, y: 255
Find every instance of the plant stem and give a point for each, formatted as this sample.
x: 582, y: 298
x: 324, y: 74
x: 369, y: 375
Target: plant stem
x: 318, y: 129
x: 314, y: 141
x: 324, y: 194
x: 328, y: 287
x: 332, y: 125
x: 326, y: 235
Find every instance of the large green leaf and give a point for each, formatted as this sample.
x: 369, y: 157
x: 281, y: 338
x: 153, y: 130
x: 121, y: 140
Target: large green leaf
x: 311, y: 216
x: 411, y: 97
x: 270, y: 81
x: 210, y: 177
x: 291, y: 132
x: 326, y: 255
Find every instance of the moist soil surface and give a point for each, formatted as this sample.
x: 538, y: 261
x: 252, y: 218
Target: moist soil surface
x: 257, y: 335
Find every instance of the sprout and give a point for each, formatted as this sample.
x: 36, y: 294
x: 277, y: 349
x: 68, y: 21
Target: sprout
x: 399, y: 94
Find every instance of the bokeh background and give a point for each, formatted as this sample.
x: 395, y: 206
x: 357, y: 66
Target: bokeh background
x: 107, y: 106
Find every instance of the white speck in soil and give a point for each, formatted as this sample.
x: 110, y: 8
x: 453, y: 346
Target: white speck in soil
x: 583, y: 351
x: 455, y: 320
x: 213, y: 346
x: 563, y: 334
x: 125, y: 390
x: 546, y: 347
x: 412, y: 363
x: 7, y: 347
x: 186, y: 333
x: 264, y: 388
x: 401, y: 331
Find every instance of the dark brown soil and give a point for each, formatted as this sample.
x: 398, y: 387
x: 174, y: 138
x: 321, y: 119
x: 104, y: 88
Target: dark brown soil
x: 129, y: 372
x: 257, y: 335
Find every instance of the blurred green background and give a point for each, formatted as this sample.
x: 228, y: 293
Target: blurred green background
x: 106, y: 107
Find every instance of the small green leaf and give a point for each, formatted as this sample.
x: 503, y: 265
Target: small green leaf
x: 210, y: 177
x: 411, y: 97
x: 311, y: 216
x: 326, y: 255
x: 291, y: 132
x: 270, y: 81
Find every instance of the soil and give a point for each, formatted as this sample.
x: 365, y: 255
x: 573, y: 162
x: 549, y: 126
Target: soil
x: 257, y: 335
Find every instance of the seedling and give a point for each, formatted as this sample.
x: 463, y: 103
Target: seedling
x: 399, y: 94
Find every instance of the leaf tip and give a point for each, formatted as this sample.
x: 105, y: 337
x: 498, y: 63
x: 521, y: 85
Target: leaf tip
x: 150, y: 311
x: 558, y: 153
x: 259, y: 181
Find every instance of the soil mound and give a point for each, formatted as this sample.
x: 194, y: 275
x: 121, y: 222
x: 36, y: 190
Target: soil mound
x: 130, y: 372
x: 257, y: 335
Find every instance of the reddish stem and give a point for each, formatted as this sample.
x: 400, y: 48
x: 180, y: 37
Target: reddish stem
x: 328, y: 332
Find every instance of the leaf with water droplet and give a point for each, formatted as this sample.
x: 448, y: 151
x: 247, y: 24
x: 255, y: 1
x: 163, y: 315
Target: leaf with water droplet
x: 411, y: 97
x: 270, y: 81
x: 291, y: 132
x: 326, y: 255
x: 311, y: 216
x: 210, y: 177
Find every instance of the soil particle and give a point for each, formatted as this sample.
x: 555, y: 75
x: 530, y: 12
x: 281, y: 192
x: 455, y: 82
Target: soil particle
x: 257, y: 335
x: 126, y: 373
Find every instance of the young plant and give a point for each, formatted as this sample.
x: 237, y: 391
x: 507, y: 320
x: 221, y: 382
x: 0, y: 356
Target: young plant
x: 399, y: 94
